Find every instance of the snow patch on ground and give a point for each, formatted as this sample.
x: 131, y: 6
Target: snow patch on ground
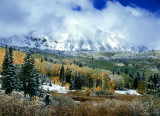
x: 56, y: 88
x: 130, y: 92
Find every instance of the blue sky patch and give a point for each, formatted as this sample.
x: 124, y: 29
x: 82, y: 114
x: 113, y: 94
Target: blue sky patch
x: 77, y: 8
x: 99, y: 4
x: 150, y: 5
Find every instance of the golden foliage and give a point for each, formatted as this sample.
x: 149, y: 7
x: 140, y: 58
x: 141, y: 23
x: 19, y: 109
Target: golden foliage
x: 112, y: 87
x: 57, y: 81
x: 68, y: 61
x: 2, y: 52
x: 42, y: 69
x: 85, y: 88
x: 67, y: 85
x: 18, y: 57
x: 141, y: 87
x: 98, y: 88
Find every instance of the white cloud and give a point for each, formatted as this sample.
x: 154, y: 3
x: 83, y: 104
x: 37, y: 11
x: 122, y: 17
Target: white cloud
x: 56, y: 18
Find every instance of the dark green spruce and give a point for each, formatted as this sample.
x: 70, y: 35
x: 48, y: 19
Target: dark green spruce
x: 8, y: 73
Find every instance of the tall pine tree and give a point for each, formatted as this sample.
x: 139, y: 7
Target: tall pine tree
x: 68, y: 75
x: 143, y: 76
x: 126, y: 71
x: 12, y: 72
x: 29, y: 77
x: 5, y: 69
x: 8, y: 73
x: 72, y: 84
x: 78, y: 81
x: 36, y: 79
x: 136, y: 80
x: 61, y: 76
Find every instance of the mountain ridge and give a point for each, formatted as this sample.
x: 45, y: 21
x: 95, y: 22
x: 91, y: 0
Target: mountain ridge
x: 99, y: 41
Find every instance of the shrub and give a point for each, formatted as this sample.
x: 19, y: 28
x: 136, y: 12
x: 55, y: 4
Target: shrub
x: 141, y: 87
x: 17, y: 105
x: 80, y: 93
x: 158, y: 94
x: 62, y: 101
x: 61, y: 105
x: 105, y: 92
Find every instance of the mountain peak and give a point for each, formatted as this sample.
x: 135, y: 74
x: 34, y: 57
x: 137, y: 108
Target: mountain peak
x: 98, y: 41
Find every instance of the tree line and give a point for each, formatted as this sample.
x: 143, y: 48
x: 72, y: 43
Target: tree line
x: 141, y: 82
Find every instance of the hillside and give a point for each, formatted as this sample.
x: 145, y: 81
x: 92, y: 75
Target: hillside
x: 91, y: 65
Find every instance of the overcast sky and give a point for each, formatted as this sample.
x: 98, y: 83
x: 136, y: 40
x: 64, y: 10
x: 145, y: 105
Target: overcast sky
x: 134, y: 21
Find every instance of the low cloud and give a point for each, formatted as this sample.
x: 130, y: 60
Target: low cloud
x: 57, y: 18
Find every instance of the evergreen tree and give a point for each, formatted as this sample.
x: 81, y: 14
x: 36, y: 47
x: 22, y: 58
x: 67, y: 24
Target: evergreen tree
x: 32, y: 89
x: 92, y: 58
x: 138, y: 76
x: 61, y: 76
x: 136, y: 80
x: 36, y: 80
x: 113, y: 71
x: 17, y: 80
x: 68, y: 75
x: 126, y: 71
x: 64, y: 80
x: 29, y: 76
x: 143, y: 76
x: 158, y: 85
x: 72, y: 84
x: 150, y: 82
x: 130, y: 75
x: 11, y: 64
x: 155, y: 81
x: 118, y: 71
x: 78, y: 81
x: 5, y: 69
x: 50, y: 83
x: 12, y: 72
x: 8, y: 72
x: 41, y: 92
x: 80, y: 64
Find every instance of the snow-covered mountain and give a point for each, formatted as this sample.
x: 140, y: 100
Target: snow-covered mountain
x: 99, y: 41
